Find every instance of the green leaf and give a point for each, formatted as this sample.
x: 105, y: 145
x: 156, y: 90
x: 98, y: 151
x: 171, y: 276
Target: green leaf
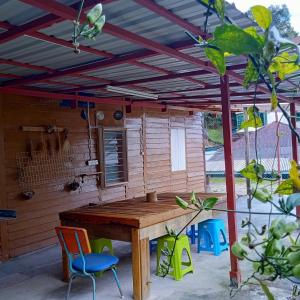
x: 182, y: 203
x: 266, y: 290
x: 285, y: 188
x: 277, y: 228
x: 253, y: 32
x: 232, y: 39
x: 262, y: 195
x: 193, y: 198
x: 100, y: 23
x: 253, y: 171
x: 251, y: 74
x: 94, y: 14
x: 262, y: 16
x: 292, y: 201
x: 219, y: 6
x: 217, y: 58
x: 254, y: 119
x: 291, y: 227
x: 238, y: 250
x: 209, y: 203
x: 284, y: 64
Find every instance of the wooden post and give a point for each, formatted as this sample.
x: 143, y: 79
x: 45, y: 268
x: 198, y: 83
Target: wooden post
x: 235, y: 274
x: 294, y: 141
x: 3, y: 204
x: 140, y: 266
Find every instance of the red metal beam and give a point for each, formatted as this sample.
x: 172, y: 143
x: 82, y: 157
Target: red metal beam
x: 41, y: 22
x: 107, y: 101
x: 66, y: 12
x: 162, y: 11
x: 235, y: 274
x: 70, y: 13
x: 184, y: 75
x: 68, y: 44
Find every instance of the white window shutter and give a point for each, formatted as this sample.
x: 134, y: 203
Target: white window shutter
x: 178, y: 156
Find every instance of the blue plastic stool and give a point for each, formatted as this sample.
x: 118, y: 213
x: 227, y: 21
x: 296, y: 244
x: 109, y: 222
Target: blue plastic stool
x: 212, y: 236
x: 192, y: 233
x: 153, y: 245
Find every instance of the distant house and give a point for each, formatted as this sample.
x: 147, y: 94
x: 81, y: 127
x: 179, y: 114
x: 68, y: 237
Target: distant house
x: 266, y: 147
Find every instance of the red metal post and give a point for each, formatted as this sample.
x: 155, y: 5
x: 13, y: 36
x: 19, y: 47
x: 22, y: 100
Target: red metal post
x: 294, y: 141
x: 235, y: 275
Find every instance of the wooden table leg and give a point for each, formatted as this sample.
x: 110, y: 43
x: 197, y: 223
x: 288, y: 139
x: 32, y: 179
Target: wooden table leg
x: 140, y: 266
x: 65, y: 266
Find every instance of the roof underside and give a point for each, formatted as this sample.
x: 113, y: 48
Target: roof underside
x: 143, y: 47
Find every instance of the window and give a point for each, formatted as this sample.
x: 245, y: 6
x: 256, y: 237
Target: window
x: 114, y: 157
x: 178, y: 160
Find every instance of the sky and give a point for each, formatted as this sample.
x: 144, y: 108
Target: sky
x: 293, y: 6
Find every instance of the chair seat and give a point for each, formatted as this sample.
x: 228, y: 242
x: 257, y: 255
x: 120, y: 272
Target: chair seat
x: 95, y: 262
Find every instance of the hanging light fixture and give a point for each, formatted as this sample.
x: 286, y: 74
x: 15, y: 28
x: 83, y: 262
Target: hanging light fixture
x: 91, y: 27
x: 136, y: 93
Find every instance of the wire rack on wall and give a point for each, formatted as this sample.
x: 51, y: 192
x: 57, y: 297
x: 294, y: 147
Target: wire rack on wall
x: 37, y: 168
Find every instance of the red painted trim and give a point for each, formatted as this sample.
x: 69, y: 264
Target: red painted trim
x: 235, y: 275
x: 60, y: 96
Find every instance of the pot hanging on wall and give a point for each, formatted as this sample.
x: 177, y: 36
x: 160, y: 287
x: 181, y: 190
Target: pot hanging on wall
x: 118, y: 115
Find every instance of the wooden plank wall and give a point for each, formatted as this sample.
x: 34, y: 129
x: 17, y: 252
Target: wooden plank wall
x: 148, y: 139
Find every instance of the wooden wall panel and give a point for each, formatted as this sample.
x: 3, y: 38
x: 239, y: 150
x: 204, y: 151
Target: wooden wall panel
x: 149, y: 165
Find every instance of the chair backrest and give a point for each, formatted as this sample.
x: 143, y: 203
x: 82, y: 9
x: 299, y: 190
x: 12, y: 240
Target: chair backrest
x: 72, y: 239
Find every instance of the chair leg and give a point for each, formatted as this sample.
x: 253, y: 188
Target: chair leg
x: 94, y: 286
x: 117, y: 281
x: 69, y: 286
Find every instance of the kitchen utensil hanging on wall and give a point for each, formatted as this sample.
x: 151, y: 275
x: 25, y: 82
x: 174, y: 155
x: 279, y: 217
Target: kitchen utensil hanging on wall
x: 66, y: 147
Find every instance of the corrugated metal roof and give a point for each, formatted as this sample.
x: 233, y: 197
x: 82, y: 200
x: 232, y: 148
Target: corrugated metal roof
x: 128, y: 15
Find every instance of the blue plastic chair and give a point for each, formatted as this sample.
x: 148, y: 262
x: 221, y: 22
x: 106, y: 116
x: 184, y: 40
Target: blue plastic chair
x: 82, y: 262
x: 212, y: 236
x: 192, y: 233
x: 153, y: 245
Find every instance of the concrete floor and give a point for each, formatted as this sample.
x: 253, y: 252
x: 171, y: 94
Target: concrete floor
x: 38, y: 277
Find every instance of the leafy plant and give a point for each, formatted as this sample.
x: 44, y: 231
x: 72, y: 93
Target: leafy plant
x: 272, y: 59
x: 91, y: 27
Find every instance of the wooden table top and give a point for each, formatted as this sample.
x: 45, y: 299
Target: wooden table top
x: 135, y: 212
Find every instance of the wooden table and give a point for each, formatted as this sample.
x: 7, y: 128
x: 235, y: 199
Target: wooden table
x: 135, y: 221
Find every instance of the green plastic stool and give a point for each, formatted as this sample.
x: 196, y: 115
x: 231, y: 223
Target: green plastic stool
x: 98, y: 245
x: 176, y: 261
